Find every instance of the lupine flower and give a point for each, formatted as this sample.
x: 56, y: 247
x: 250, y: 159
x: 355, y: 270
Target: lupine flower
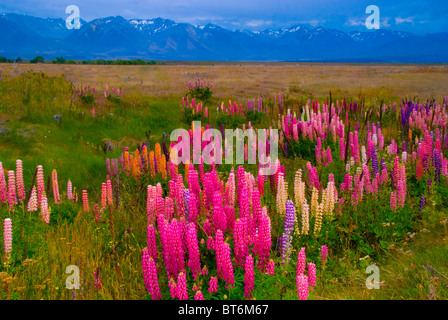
x: 422, y: 203
x: 223, y: 262
x: 54, y: 176
x: 12, y: 198
x: 152, y: 245
x: 323, y: 254
x: 193, y: 250
x: 7, y: 237
x: 40, y: 183
x: 150, y: 276
x: 393, y: 200
x: 181, y: 286
x: 302, y: 286
x: 249, y: 277
x: 45, y: 211
x: 262, y: 243
x: 301, y: 261
x: 287, y: 233
x: 271, y: 267
x: 305, y: 218
x: 311, y: 275
x: 213, y: 285
x: 3, y: 187
x: 69, y: 190
x: 19, y: 180
x: 198, y: 295
x: 318, y: 221
x: 85, y: 201
x: 32, y: 202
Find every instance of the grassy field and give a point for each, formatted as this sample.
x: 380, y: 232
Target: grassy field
x: 412, y: 254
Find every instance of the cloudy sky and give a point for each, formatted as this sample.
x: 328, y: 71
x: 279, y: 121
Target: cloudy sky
x: 407, y: 15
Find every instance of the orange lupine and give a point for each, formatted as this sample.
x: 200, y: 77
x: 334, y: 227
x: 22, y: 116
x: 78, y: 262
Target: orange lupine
x: 152, y: 167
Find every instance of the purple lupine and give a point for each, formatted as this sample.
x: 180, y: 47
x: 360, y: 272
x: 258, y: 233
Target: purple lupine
x: 429, y: 186
x: 437, y: 165
x: 374, y: 160
x: 422, y: 203
x: 289, y: 227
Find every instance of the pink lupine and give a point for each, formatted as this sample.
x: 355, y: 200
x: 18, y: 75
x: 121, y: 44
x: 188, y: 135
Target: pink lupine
x: 393, y: 200
x: 198, y: 295
x: 262, y: 242
x: 260, y: 182
x: 150, y: 275
x: 193, y: 250
x: 54, y: 176
x: 192, y: 208
x: 19, y: 181
x: 323, y: 254
x: 213, y: 285
x: 151, y: 241
x: 223, y: 262
x: 302, y: 286
x: 45, y: 212
x: 85, y: 201
x: 69, y: 190
x: 12, y: 196
x: 301, y: 261
x: 249, y: 277
x: 311, y: 275
x: 7, y: 237
x: 271, y: 267
x: 175, y: 253
x: 3, y: 186
x: 32, y: 202
x: 241, y: 241
x: 40, y: 184
x: 218, y: 216
x: 181, y: 286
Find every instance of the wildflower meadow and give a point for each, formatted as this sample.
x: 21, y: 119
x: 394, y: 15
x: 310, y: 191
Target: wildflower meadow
x: 89, y: 178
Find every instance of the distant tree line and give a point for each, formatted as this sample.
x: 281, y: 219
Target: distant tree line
x: 62, y: 60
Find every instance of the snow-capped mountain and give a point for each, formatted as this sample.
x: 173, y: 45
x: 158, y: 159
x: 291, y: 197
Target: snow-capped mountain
x: 164, y: 39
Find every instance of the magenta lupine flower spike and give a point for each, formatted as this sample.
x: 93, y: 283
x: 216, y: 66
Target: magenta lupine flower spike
x: 152, y: 245
x: 198, y: 295
x: 323, y: 254
x: 213, y: 285
x: 3, y: 187
x: 302, y: 286
x: 301, y: 261
x: 311, y: 275
x: 262, y: 243
x: 150, y: 276
x: 103, y: 195
x: 193, y: 250
x: 181, y: 286
x: 249, y: 277
x: 7, y: 237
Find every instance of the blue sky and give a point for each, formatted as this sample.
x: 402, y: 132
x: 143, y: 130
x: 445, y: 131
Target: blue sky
x: 407, y: 15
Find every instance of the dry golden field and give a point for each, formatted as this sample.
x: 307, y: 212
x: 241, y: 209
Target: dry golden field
x: 253, y: 80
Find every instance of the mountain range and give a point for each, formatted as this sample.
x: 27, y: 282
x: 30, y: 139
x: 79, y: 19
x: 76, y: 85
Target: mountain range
x: 164, y: 39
